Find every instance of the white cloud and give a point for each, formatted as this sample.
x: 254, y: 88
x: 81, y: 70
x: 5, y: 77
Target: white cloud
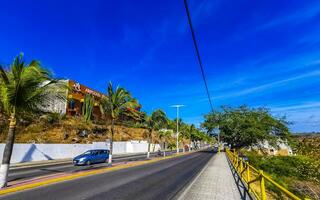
x: 297, y: 17
x: 305, y: 116
x: 268, y: 86
x: 296, y: 107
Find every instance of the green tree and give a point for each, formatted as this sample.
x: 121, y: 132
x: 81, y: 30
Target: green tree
x: 155, y: 122
x: 184, y: 134
x: 24, y: 88
x: 116, y: 103
x: 164, y: 135
x: 191, y: 131
x: 244, y: 126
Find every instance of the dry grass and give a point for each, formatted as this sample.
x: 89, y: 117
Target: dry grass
x: 67, y: 131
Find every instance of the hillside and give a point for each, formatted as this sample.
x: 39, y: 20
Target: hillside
x: 307, y: 145
x: 300, y: 173
x: 72, y: 130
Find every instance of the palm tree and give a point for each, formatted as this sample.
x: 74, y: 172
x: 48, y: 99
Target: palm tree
x: 191, y: 130
x: 155, y: 122
x: 24, y: 88
x: 184, y: 134
x: 116, y: 103
x: 164, y: 134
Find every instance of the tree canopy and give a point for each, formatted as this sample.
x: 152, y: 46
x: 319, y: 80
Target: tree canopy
x: 244, y: 126
x: 118, y: 102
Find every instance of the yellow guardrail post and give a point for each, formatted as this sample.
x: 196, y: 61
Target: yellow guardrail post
x: 248, y: 175
x: 241, y: 167
x: 262, y: 186
x: 237, y: 162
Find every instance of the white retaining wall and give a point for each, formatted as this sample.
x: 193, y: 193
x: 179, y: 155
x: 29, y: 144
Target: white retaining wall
x: 38, y: 152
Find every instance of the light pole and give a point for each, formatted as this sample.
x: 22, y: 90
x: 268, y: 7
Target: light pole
x: 177, y: 134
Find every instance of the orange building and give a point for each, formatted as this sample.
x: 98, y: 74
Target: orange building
x: 76, y: 95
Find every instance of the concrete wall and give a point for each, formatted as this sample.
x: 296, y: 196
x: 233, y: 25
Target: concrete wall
x: 38, y: 152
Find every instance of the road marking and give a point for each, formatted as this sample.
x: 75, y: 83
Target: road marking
x: 83, y: 174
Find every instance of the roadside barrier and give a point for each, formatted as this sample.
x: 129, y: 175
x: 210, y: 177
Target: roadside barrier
x: 255, y: 180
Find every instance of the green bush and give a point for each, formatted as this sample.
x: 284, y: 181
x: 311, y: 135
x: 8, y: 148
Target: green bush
x: 300, y: 167
x: 286, y: 169
x: 53, y: 118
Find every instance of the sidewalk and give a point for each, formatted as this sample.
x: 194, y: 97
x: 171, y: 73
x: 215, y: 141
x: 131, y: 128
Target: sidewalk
x: 215, y: 181
x: 40, y: 163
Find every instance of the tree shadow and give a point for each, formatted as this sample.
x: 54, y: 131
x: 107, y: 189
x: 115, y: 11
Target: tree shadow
x: 28, y: 155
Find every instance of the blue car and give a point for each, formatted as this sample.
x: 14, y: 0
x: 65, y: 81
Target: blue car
x: 91, y: 157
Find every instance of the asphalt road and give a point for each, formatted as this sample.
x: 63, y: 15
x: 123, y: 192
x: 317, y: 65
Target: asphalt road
x: 35, y: 171
x: 160, y: 180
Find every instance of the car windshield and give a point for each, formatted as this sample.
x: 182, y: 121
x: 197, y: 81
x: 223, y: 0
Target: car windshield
x: 87, y: 153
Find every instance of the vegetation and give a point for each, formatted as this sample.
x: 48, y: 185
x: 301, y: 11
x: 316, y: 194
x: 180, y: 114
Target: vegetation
x: 164, y: 136
x: 244, y: 126
x: 155, y: 122
x: 24, y: 88
x: 300, y: 174
x: 307, y: 145
x: 117, y: 102
x: 87, y: 107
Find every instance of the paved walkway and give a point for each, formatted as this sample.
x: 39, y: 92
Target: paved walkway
x: 216, y: 181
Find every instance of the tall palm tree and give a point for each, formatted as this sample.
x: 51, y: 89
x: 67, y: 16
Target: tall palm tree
x: 155, y: 122
x: 116, y: 103
x: 164, y: 136
x: 24, y: 88
x: 191, y: 130
x: 184, y: 134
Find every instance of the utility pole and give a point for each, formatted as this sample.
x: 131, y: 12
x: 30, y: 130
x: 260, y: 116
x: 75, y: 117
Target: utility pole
x: 177, y: 134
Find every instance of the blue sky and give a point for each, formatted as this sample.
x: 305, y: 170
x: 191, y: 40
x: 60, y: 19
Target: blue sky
x: 259, y: 53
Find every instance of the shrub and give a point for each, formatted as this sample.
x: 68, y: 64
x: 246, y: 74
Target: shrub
x: 288, y: 171
x: 300, y: 167
x: 53, y: 118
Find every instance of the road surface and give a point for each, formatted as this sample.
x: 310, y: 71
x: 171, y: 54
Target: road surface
x: 165, y: 179
x: 19, y: 174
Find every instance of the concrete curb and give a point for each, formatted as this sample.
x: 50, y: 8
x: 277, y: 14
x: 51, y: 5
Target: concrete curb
x: 84, y: 174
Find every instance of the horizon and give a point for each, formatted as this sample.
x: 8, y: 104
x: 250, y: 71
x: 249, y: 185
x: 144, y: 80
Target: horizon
x: 254, y: 53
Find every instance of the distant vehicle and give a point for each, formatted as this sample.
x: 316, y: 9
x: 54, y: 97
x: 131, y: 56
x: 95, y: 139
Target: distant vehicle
x: 91, y: 157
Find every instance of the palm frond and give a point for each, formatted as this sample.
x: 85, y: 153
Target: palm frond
x: 28, y: 87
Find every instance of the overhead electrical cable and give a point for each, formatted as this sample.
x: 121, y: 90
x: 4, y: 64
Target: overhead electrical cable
x: 198, y: 54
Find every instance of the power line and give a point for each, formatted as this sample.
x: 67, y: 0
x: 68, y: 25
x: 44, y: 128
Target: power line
x: 198, y: 54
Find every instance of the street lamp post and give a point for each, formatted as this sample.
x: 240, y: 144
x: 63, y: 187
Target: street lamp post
x: 177, y: 134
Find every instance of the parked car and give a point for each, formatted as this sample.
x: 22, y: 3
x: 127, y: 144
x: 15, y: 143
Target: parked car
x: 91, y: 157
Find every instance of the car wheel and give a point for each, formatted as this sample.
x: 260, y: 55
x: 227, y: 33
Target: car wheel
x: 88, y: 162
